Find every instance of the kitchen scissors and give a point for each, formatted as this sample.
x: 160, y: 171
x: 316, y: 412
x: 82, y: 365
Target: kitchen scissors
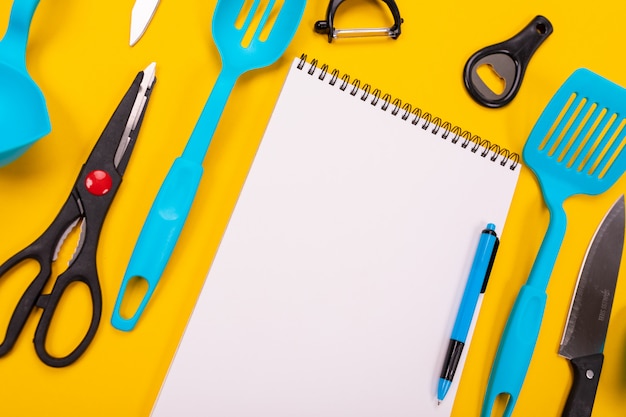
x: 87, y: 205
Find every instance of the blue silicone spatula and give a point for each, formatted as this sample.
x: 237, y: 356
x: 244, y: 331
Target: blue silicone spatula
x: 23, y: 113
x: 576, y: 147
x: 273, y: 33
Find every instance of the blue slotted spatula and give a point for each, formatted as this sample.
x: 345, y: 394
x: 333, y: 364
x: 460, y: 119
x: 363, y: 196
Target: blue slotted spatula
x: 576, y: 147
x: 173, y: 202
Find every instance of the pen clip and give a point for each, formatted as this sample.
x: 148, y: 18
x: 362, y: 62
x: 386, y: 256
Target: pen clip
x: 496, y: 245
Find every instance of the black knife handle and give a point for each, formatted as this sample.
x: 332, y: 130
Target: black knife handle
x: 586, y: 377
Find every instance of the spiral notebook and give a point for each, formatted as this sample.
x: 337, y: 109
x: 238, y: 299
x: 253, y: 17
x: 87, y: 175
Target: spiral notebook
x: 336, y: 284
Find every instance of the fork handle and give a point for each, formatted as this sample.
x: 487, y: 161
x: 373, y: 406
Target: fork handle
x: 158, y: 236
x: 516, y: 349
x: 171, y: 206
x: 198, y: 144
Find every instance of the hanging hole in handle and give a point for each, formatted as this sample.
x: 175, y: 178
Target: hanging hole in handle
x: 502, y: 406
x: 541, y: 28
x: 134, y: 294
x: 70, y: 320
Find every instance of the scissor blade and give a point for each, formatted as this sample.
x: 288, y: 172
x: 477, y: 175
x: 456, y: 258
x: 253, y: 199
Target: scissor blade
x: 76, y: 223
x: 142, y: 13
x: 136, y: 112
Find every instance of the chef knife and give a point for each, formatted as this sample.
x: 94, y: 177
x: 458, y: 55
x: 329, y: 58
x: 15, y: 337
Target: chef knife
x: 588, y: 320
x: 142, y: 13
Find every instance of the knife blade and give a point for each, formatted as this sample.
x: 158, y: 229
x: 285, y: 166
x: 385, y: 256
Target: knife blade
x: 142, y: 13
x: 588, y: 320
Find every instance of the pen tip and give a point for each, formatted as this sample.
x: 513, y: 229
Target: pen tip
x: 438, y: 402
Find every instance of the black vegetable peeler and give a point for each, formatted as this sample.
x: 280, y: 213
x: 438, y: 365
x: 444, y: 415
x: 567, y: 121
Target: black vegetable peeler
x: 326, y: 27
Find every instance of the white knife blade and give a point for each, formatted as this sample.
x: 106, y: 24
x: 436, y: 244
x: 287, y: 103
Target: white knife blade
x: 142, y: 13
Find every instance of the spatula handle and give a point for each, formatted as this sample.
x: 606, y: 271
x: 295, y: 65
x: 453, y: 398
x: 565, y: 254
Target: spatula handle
x: 550, y: 246
x: 516, y: 349
x: 13, y: 45
x: 522, y: 328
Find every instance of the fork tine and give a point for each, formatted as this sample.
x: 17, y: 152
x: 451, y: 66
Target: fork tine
x: 263, y: 21
x: 277, y: 24
x: 251, y: 13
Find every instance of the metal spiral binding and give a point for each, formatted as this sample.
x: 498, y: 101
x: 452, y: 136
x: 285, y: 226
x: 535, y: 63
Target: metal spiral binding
x: 415, y: 115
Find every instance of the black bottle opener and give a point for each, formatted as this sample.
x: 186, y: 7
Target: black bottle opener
x: 508, y: 60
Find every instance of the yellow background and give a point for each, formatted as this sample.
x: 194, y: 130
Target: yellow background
x: 78, y: 54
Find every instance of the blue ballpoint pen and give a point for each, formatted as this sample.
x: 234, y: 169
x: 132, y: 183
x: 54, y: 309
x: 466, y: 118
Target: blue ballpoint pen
x: 474, y: 288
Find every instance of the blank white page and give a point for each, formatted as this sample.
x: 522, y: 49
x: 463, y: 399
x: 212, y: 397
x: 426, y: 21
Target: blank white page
x: 335, y: 287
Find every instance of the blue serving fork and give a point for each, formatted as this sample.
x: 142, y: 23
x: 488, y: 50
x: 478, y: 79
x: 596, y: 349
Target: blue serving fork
x: 169, y: 210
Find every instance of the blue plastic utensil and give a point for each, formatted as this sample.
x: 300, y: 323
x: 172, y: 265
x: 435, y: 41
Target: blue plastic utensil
x: 576, y: 147
x: 173, y: 202
x: 23, y: 113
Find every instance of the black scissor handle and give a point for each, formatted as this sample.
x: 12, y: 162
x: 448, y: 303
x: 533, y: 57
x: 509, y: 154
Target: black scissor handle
x: 49, y: 303
x: 29, y: 298
x: 41, y: 251
x: 509, y: 60
x: 33, y: 297
x: 82, y: 269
